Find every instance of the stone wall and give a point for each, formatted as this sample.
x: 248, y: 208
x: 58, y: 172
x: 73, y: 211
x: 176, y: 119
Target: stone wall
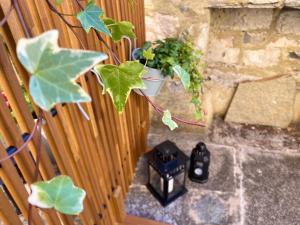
x: 252, y: 56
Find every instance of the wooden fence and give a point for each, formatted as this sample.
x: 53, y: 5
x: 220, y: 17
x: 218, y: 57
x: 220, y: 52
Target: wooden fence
x: 100, y: 154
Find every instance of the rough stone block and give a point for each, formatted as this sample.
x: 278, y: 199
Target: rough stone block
x: 254, y: 37
x: 262, y: 58
x: 158, y: 26
x: 266, y: 103
x: 271, y: 185
x: 297, y: 108
x: 222, y: 50
x: 285, y: 42
x: 228, y: 79
x: 263, y: 1
x: 242, y: 19
x: 288, y: 22
x: 292, y: 3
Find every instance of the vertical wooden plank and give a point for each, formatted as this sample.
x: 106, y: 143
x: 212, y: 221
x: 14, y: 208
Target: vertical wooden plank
x: 7, y: 212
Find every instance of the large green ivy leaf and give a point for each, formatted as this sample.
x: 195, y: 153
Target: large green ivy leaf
x: 90, y: 17
x: 58, y: 193
x: 183, y: 75
x: 119, y: 80
x: 54, y: 70
x: 167, y: 120
x: 119, y: 29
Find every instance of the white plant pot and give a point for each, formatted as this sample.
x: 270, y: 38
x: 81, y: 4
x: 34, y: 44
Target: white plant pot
x: 153, y: 80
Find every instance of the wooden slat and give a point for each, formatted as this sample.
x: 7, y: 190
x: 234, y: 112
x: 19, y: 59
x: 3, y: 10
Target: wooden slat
x: 7, y: 212
x: 134, y: 220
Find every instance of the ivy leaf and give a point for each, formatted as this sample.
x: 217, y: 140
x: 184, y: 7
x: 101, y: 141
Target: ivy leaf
x: 195, y: 100
x: 197, y: 114
x: 58, y: 193
x: 119, y: 29
x: 148, y: 55
x: 90, y: 17
x: 54, y: 70
x: 167, y: 120
x: 120, y: 80
x: 58, y: 2
x: 183, y: 75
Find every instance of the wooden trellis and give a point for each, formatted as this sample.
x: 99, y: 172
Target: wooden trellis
x: 99, y: 154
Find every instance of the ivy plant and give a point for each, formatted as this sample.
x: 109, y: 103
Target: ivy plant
x: 120, y: 80
x: 119, y: 29
x: 167, y: 120
x: 54, y: 70
x: 90, y: 17
x: 173, y: 56
x: 58, y: 193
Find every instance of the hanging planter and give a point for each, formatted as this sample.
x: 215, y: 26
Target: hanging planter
x: 153, y: 78
x: 168, y: 58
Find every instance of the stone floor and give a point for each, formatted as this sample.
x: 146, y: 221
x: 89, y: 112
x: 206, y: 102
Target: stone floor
x: 254, y: 178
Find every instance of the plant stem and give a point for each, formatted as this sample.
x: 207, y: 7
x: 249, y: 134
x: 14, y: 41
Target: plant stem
x: 21, y: 18
x: 37, y: 163
x: 53, y: 9
x: 160, y: 111
x: 22, y: 147
x: 115, y: 58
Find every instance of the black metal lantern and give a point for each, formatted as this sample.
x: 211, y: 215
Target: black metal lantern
x: 199, y: 167
x: 167, y: 172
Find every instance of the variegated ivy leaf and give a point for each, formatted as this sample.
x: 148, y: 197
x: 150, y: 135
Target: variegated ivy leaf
x: 90, y: 17
x: 148, y: 55
x: 167, y: 120
x: 183, y: 75
x: 120, y: 80
x: 58, y: 193
x: 119, y: 29
x: 54, y: 70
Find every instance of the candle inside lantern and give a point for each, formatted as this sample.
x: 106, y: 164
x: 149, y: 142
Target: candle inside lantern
x: 170, y: 184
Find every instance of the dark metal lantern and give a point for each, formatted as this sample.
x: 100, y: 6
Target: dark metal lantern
x: 167, y: 172
x: 199, y: 167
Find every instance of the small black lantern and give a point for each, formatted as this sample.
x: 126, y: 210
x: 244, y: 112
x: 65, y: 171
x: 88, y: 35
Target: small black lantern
x: 199, y: 167
x: 167, y: 172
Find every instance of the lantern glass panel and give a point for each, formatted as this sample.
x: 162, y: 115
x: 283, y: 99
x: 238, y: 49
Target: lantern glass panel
x: 177, y: 184
x: 156, y: 181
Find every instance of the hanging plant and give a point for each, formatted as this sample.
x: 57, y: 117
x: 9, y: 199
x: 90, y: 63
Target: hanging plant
x: 175, y: 57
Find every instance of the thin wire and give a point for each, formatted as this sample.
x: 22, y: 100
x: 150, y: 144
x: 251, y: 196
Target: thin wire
x: 130, y: 46
x: 4, y: 20
x: 23, y: 145
x: 83, y: 112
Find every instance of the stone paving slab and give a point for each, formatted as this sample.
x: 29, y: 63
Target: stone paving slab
x: 213, y: 203
x: 271, y: 184
x: 262, y: 137
x: 254, y: 178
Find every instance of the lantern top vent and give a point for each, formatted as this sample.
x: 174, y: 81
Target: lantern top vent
x: 167, y: 158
